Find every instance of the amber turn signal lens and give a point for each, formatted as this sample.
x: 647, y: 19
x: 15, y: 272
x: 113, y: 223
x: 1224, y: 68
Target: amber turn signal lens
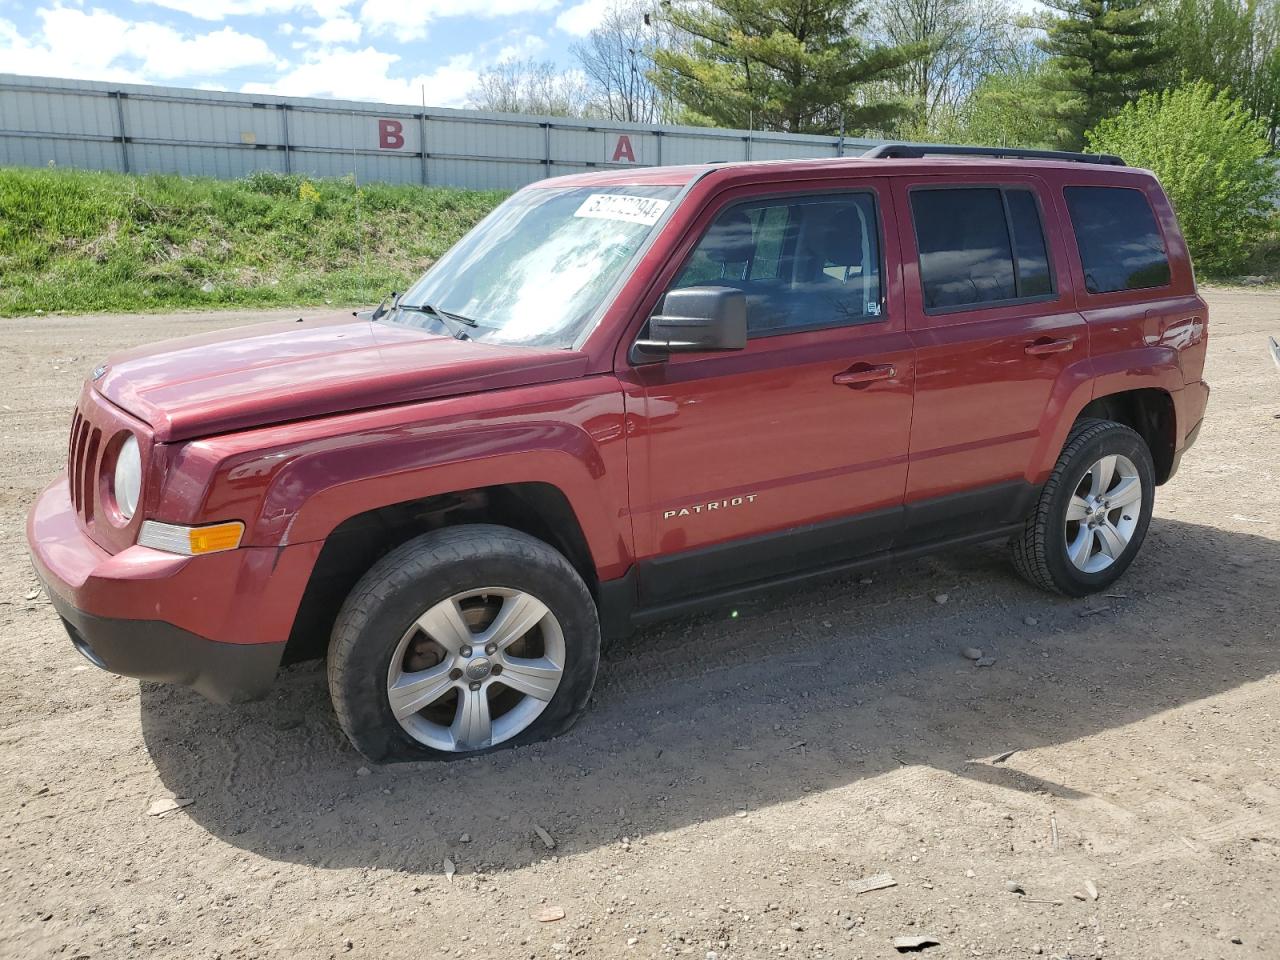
x: 222, y: 536
x: 191, y: 541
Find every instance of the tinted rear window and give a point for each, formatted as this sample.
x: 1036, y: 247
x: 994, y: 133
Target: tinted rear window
x: 1119, y: 242
x: 965, y: 256
x: 979, y: 245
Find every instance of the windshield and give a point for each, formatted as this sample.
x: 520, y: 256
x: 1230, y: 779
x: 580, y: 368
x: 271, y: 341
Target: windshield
x: 535, y: 270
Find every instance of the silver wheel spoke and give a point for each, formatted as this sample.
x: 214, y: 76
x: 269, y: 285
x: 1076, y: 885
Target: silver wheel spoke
x: 477, y: 628
x: 413, y: 691
x: 443, y: 623
x: 1110, y: 540
x: 1107, y: 517
x: 1127, y: 491
x: 519, y: 614
x: 1077, y: 508
x: 472, y: 726
x: 535, y: 678
x: 1100, y: 479
x: 1080, y: 548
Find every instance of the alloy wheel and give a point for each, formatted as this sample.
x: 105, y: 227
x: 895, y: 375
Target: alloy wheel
x: 1103, y: 513
x: 476, y: 669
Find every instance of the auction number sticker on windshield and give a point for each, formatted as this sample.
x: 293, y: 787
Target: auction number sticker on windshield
x: 620, y: 206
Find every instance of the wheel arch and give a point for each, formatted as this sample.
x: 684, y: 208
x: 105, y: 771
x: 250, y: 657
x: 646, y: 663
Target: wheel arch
x: 1138, y: 388
x: 1150, y: 412
x: 539, y: 509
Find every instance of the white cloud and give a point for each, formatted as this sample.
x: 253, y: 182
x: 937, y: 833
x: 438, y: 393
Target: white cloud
x: 526, y: 47
x: 364, y: 75
x: 409, y: 21
x: 166, y: 53
x: 340, y: 29
x: 582, y: 18
x: 221, y: 9
x: 101, y: 46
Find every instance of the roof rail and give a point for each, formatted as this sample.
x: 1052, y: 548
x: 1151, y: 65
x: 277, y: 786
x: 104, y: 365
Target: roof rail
x: 918, y: 150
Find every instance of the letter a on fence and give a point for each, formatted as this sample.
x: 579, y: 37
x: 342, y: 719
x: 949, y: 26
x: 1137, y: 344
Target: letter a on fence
x: 623, y: 151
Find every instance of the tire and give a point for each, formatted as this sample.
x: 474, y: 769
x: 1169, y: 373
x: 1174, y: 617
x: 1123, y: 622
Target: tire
x: 415, y: 626
x: 1052, y: 552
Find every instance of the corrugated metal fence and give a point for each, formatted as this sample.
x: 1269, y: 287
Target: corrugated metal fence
x: 144, y: 129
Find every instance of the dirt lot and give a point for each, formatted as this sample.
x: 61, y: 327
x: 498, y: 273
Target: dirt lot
x: 734, y: 777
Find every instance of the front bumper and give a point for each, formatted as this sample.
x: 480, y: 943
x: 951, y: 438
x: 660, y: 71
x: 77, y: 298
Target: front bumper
x: 216, y: 623
x: 158, y: 651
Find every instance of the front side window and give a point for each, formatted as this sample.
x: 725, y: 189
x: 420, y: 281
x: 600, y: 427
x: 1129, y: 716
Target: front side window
x: 980, y: 246
x: 803, y: 262
x: 536, y: 269
x: 1119, y: 242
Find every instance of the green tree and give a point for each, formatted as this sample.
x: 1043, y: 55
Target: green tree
x: 1213, y: 159
x: 1101, y: 55
x: 1233, y: 44
x: 800, y: 66
x: 999, y: 112
x: 964, y: 40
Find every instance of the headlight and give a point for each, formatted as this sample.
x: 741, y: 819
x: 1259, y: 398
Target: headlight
x: 126, y: 486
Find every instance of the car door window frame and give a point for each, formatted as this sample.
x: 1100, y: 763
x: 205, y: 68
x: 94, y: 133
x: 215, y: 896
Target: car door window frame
x: 798, y: 196
x: 1003, y: 187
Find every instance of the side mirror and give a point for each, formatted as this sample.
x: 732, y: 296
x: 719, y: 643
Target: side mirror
x: 693, y: 320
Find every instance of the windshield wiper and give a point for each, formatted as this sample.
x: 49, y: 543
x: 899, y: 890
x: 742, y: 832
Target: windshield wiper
x: 454, y: 321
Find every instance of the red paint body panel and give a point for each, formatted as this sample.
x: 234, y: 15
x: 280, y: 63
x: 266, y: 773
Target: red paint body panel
x: 249, y: 595
x: 294, y: 428
x: 982, y: 405
x: 295, y: 483
x: 767, y: 422
x: 273, y: 372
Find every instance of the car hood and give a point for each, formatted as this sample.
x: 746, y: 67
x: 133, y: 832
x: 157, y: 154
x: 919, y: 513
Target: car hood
x: 273, y: 372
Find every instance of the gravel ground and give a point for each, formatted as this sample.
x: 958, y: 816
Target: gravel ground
x: 735, y: 777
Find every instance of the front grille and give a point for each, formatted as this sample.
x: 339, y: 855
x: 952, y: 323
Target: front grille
x: 83, y: 460
x: 95, y: 430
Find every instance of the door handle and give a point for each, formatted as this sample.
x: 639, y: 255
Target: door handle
x: 1046, y: 345
x: 863, y: 374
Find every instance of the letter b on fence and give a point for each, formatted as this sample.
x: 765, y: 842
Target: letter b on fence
x: 390, y: 134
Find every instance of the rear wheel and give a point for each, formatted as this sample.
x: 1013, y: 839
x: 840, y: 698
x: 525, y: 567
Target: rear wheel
x: 1093, y: 513
x: 460, y: 641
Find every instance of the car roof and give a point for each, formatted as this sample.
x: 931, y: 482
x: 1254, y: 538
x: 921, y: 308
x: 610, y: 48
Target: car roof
x: 755, y: 170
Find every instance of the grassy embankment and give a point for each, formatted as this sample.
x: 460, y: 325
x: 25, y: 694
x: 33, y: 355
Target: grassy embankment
x: 74, y: 241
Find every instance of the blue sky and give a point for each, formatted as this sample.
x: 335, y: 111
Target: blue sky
x: 359, y: 49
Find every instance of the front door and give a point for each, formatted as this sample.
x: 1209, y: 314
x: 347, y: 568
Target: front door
x: 790, y: 455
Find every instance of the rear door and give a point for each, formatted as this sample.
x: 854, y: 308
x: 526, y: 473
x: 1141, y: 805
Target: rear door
x: 990, y: 313
x: 791, y: 454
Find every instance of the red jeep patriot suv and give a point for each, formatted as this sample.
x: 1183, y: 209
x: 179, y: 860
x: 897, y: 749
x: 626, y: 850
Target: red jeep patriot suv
x: 622, y: 395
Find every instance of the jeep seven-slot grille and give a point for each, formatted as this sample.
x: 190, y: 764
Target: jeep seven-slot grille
x: 97, y: 426
x: 82, y: 465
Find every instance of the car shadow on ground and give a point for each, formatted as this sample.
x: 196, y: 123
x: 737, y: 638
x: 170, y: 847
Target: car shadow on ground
x: 792, y: 694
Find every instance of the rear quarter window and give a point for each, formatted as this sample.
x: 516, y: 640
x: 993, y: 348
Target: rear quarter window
x: 1120, y: 244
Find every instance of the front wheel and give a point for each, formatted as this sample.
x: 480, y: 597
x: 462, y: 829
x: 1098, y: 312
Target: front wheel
x: 460, y: 641
x: 1093, y: 513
